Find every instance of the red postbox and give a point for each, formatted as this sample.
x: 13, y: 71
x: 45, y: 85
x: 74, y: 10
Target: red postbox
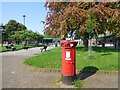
x: 68, y: 61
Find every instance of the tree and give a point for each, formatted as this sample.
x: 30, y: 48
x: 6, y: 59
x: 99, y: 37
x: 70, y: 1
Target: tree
x: 15, y: 31
x: 30, y: 35
x: 12, y: 26
x: 107, y: 19
x: 69, y: 16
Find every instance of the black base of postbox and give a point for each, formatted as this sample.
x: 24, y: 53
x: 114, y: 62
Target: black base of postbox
x: 68, y: 80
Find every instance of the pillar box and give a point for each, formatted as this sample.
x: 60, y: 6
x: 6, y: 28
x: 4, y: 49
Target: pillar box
x: 68, y: 61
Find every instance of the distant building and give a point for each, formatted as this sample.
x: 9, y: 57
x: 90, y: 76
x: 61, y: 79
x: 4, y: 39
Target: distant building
x: 109, y: 39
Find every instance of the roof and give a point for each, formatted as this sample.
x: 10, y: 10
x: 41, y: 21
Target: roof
x: 107, y: 35
x: 47, y: 38
x: 54, y: 39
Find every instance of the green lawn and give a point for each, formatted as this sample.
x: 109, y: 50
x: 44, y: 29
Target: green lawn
x: 3, y: 49
x: 102, y: 59
x: 17, y: 46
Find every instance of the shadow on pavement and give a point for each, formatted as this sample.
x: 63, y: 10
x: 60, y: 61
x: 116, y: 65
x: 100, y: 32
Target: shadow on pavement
x: 87, y: 72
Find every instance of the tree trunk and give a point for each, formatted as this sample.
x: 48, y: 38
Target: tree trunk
x: 2, y: 43
x: 85, y: 40
x: 103, y: 42
x: 114, y: 42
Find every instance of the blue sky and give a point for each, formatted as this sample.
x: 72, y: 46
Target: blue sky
x: 35, y: 13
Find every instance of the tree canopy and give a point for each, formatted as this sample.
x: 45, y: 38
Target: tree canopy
x: 84, y: 17
x: 29, y: 35
x: 65, y: 16
x: 15, y: 31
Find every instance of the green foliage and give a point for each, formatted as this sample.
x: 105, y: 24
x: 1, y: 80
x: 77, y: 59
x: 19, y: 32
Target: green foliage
x: 91, y: 23
x: 15, y: 31
x: 10, y: 28
x: 29, y: 35
x: 77, y: 83
x: 13, y: 26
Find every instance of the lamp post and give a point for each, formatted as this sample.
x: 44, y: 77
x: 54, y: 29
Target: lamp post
x: 1, y: 29
x: 24, y: 30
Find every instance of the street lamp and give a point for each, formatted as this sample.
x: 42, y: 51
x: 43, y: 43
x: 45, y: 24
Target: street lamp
x: 24, y: 30
x: 1, y: 29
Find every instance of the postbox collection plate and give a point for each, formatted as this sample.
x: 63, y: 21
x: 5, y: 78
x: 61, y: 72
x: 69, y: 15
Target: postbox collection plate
x: 67, y: 55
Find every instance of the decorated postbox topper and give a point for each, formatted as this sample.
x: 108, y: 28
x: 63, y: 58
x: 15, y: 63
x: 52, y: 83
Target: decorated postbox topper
x: 71, y: 43
x: 70, y: 40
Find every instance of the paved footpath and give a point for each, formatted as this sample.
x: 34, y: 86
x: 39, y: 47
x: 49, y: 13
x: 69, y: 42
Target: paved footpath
x: 16, y: 75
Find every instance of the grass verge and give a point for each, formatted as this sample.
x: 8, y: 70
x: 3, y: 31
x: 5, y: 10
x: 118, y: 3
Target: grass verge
x: 17, y: 46
x: 100, y: 59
